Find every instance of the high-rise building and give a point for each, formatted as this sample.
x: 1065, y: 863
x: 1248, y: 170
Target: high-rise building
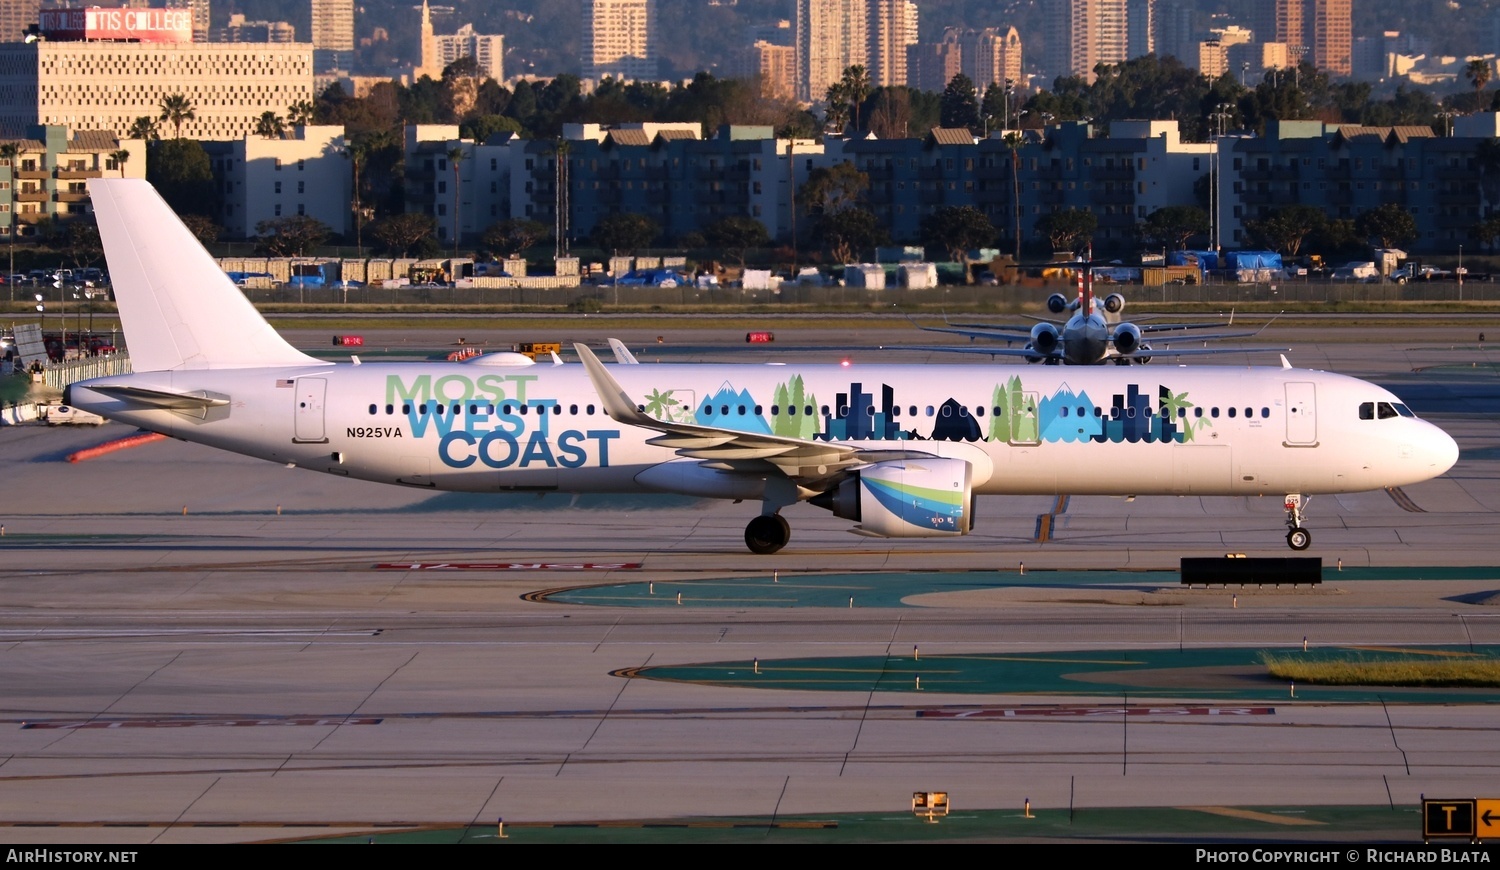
x: 1085, y: 33
x: 108, y: 85
x: 1318, y: 31
x: 892, y: 27
x: 831, y: 37
x: 15, y: 17
x: 431, y: 62
x: 992, y: 56
x: 619, y: 40
x: 240, y: 30
x: 773, y: 66
x: 200, y: 10
x: 1331, y: 35
x: 930, y: 66
x: 1175, y: 34
x: 488, y: 51
x: 332, y: 35
x: 1140, y: 28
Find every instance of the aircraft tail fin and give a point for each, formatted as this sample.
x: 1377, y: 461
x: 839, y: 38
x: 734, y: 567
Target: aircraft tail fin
x: 178, y: 308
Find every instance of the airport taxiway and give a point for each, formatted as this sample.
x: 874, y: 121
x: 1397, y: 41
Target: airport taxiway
x: 201, y: 647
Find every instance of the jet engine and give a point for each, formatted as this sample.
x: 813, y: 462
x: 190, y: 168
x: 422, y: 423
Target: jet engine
x: 1114, y: 303
x: 1045, y: 339
x: 926, y: 497
x: 1057, y: 303
x: 1127, y: 338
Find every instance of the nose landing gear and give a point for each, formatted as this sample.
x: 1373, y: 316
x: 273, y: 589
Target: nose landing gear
x: 1297, y: 537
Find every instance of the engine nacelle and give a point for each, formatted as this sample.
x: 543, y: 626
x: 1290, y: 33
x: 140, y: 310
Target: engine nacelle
x: 1143, y: 355
x: 1114, y: 303
x: 1057, y: 303
x: 1045, y: 338
x: 1127, y: 338
x: 928, y: 497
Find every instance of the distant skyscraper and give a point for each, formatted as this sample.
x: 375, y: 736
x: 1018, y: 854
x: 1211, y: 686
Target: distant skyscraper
x: 1318, y: 31
x: 1140, y: 28
x: 991, y: 56
x: 930, y: 66
x: 774, y: 66
x: 332, y: 35
x: 431, y: 62
x: 1175, y: 33
x: 619, y: 39
x: 488, y: 51
x: 15, y: 17
x: 1085, y: 33
x: 892, y: 27
x: 831, y: 37
x: 200, y: 10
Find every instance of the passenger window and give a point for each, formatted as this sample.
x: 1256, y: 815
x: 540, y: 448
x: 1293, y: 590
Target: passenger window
x: 372, y: 410
x: 775, y: 409
x: 1231, y: 413
x: 757, y: 410
x: 929, y: 410
x: 947, y: 410
x: 524, y: 410
x: 390, y: 409
x: 1265, y: 412
x: 1214, y: 412
x: 589, y: 409
x: 1063, y: 412
x: 979, y: 411
x: 572, y: 410
x: 406, y: 409
x: 895, y: 411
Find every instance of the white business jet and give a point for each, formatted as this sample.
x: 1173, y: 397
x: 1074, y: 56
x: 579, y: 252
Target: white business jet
x: 903, y: 451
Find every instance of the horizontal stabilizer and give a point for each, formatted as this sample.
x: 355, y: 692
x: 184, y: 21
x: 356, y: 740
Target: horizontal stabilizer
x: 198, y: 400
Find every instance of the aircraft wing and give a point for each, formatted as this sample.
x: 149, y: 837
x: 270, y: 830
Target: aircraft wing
x: 813, y: 465
x: 976, y: 330
x: 991, y: 350
x: 1197, y: 351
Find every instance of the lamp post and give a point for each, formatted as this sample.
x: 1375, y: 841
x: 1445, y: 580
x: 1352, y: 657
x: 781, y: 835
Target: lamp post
x: 1219, y: 118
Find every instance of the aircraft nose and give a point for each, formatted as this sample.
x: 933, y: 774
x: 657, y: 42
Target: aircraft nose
x: 1443, y: 450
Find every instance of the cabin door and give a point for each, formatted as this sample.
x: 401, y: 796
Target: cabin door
x: 1301, y: 414
x: 310, y: 393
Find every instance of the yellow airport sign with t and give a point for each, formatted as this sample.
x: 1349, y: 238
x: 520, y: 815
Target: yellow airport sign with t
x: 1448, y: 819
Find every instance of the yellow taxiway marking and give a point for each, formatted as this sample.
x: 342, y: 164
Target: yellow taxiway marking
x: 1252, y: 815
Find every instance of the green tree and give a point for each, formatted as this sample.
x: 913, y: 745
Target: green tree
x: 844, y: 234
x: 1285, y: 229
x: 1013, y: 143
x: 623, y: 231
x: 181, y: 172
x: 960, y: 104
x: 836, y: 109
x: 177, y: 109
x: 144, y: 127
x: 1064, y: 229
x: 830, y: 190
x: 1172, y: 226
x: 1389, y: 224
x: 291, y: 236
x: 514, y: 236
x: 736, y: 234
x: 957, y: 229
x: 400, y: 234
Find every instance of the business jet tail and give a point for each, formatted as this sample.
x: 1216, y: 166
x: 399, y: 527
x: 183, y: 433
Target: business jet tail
x: 178, y: 308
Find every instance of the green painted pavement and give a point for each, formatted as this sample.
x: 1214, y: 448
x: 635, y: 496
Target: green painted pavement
x: 1222, y: 674
x: 890, y: 589
x: 1144, y: 825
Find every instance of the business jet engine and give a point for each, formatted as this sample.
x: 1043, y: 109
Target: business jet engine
x: 1057, y: 303
x: 1114, y: 303
x: 1045, y: 338
x: 1127, y: 338
x: 922, y: 497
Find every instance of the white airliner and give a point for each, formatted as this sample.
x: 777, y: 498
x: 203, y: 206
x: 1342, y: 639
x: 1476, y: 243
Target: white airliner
x: 1093, y: 334
x: 901, y: 450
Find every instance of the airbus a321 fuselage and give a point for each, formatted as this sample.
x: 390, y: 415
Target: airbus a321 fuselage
x: 900, y: 450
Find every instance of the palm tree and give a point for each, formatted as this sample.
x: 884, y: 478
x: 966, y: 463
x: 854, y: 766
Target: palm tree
x: 8, y: 152
x: 145, y: 127
x: 302, y: 113
x: 855, y: 87
x: 357, y: 152
x: 1478, y: 74
x: 120, y: 158
x: 455, y: 156
x: 175, y: 109
x: 270, y: 125
x: 1013, y: 142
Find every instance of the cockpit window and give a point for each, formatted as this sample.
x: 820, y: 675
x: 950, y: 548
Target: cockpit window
x: 1383, y: 410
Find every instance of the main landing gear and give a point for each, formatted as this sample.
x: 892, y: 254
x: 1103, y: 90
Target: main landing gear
x: 767, y: 533
x: 1297, y: 538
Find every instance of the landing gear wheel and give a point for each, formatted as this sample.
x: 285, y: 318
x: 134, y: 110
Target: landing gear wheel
x: 767, y: 534
x: 1299, y: 539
